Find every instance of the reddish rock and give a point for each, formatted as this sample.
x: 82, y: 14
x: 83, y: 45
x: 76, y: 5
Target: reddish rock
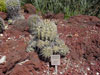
x: 3, y: 15
x: 29, y: 8
x: 59, y: 16
x: 15, y: 57
x: 19, y: 70
x: 48, y: 15
x: 53, y: 16
x: 35, y: 61
x: 21, y: 25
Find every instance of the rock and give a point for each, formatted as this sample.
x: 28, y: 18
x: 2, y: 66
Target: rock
x: 35, y: 61
x: 50, y: 15
x: 3, y: 15
x: 29, y: 8
x: 21, y: 25
x: 15, y: 57
x: 59, y: 16
x: 19, y: 70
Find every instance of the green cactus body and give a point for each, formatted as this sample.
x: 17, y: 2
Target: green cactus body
x: 56, y: 49
x: 46, y: 52
x: 2, y: 25
x: 63, y: 50
x: 3, y: 5
x: 13, y: 8
x: 40, y: 44
x: 34, y: 23
x: 44, y: 29
x: 31, y: 46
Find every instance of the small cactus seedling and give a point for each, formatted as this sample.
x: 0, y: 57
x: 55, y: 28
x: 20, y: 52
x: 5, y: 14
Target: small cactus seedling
x: 13, y: 8
x: 2, y: 25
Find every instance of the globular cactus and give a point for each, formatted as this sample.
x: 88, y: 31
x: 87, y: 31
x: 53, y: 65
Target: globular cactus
x: 3, y: 5
x: 46, y: 53
x: 43, y: 29
x: 55, y: 49
x: 13, y: 8
x: 40, y: 43
x: 2, y: 25
x: 33, y: 22
x: 63, y: 49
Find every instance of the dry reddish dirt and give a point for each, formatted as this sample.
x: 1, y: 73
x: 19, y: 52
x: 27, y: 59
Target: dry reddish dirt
x: 81, y: 34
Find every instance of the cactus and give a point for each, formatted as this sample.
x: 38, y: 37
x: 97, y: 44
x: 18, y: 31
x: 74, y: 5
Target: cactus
x: 3, y: 5
x: 46, y: 52
x: 33, y: 22
x: 41, y: 43
x: 13, y: 8
x: 31, y: 46
x: 43, y: 29
x: 48, y: 41
x: 2, y: 25
x: 55, y: 49
x: 63, y: 49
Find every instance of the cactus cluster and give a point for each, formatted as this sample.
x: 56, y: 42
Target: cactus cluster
x: 43, y: 29
x: 2, y: 25
x: 46, y: 37
x: 13, y: 8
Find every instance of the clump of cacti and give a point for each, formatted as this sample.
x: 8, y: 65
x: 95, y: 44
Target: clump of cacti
x: 43, y: 29
x: 47, y: 39
x: 2, y: 25
x: 13, y: 8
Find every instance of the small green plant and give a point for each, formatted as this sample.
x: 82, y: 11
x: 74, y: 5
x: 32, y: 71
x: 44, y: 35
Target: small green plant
x: 33, y: 22
x: 13, y: 8
x: 46, y: 53
x: 2, y: 25
x: 3, y: 5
